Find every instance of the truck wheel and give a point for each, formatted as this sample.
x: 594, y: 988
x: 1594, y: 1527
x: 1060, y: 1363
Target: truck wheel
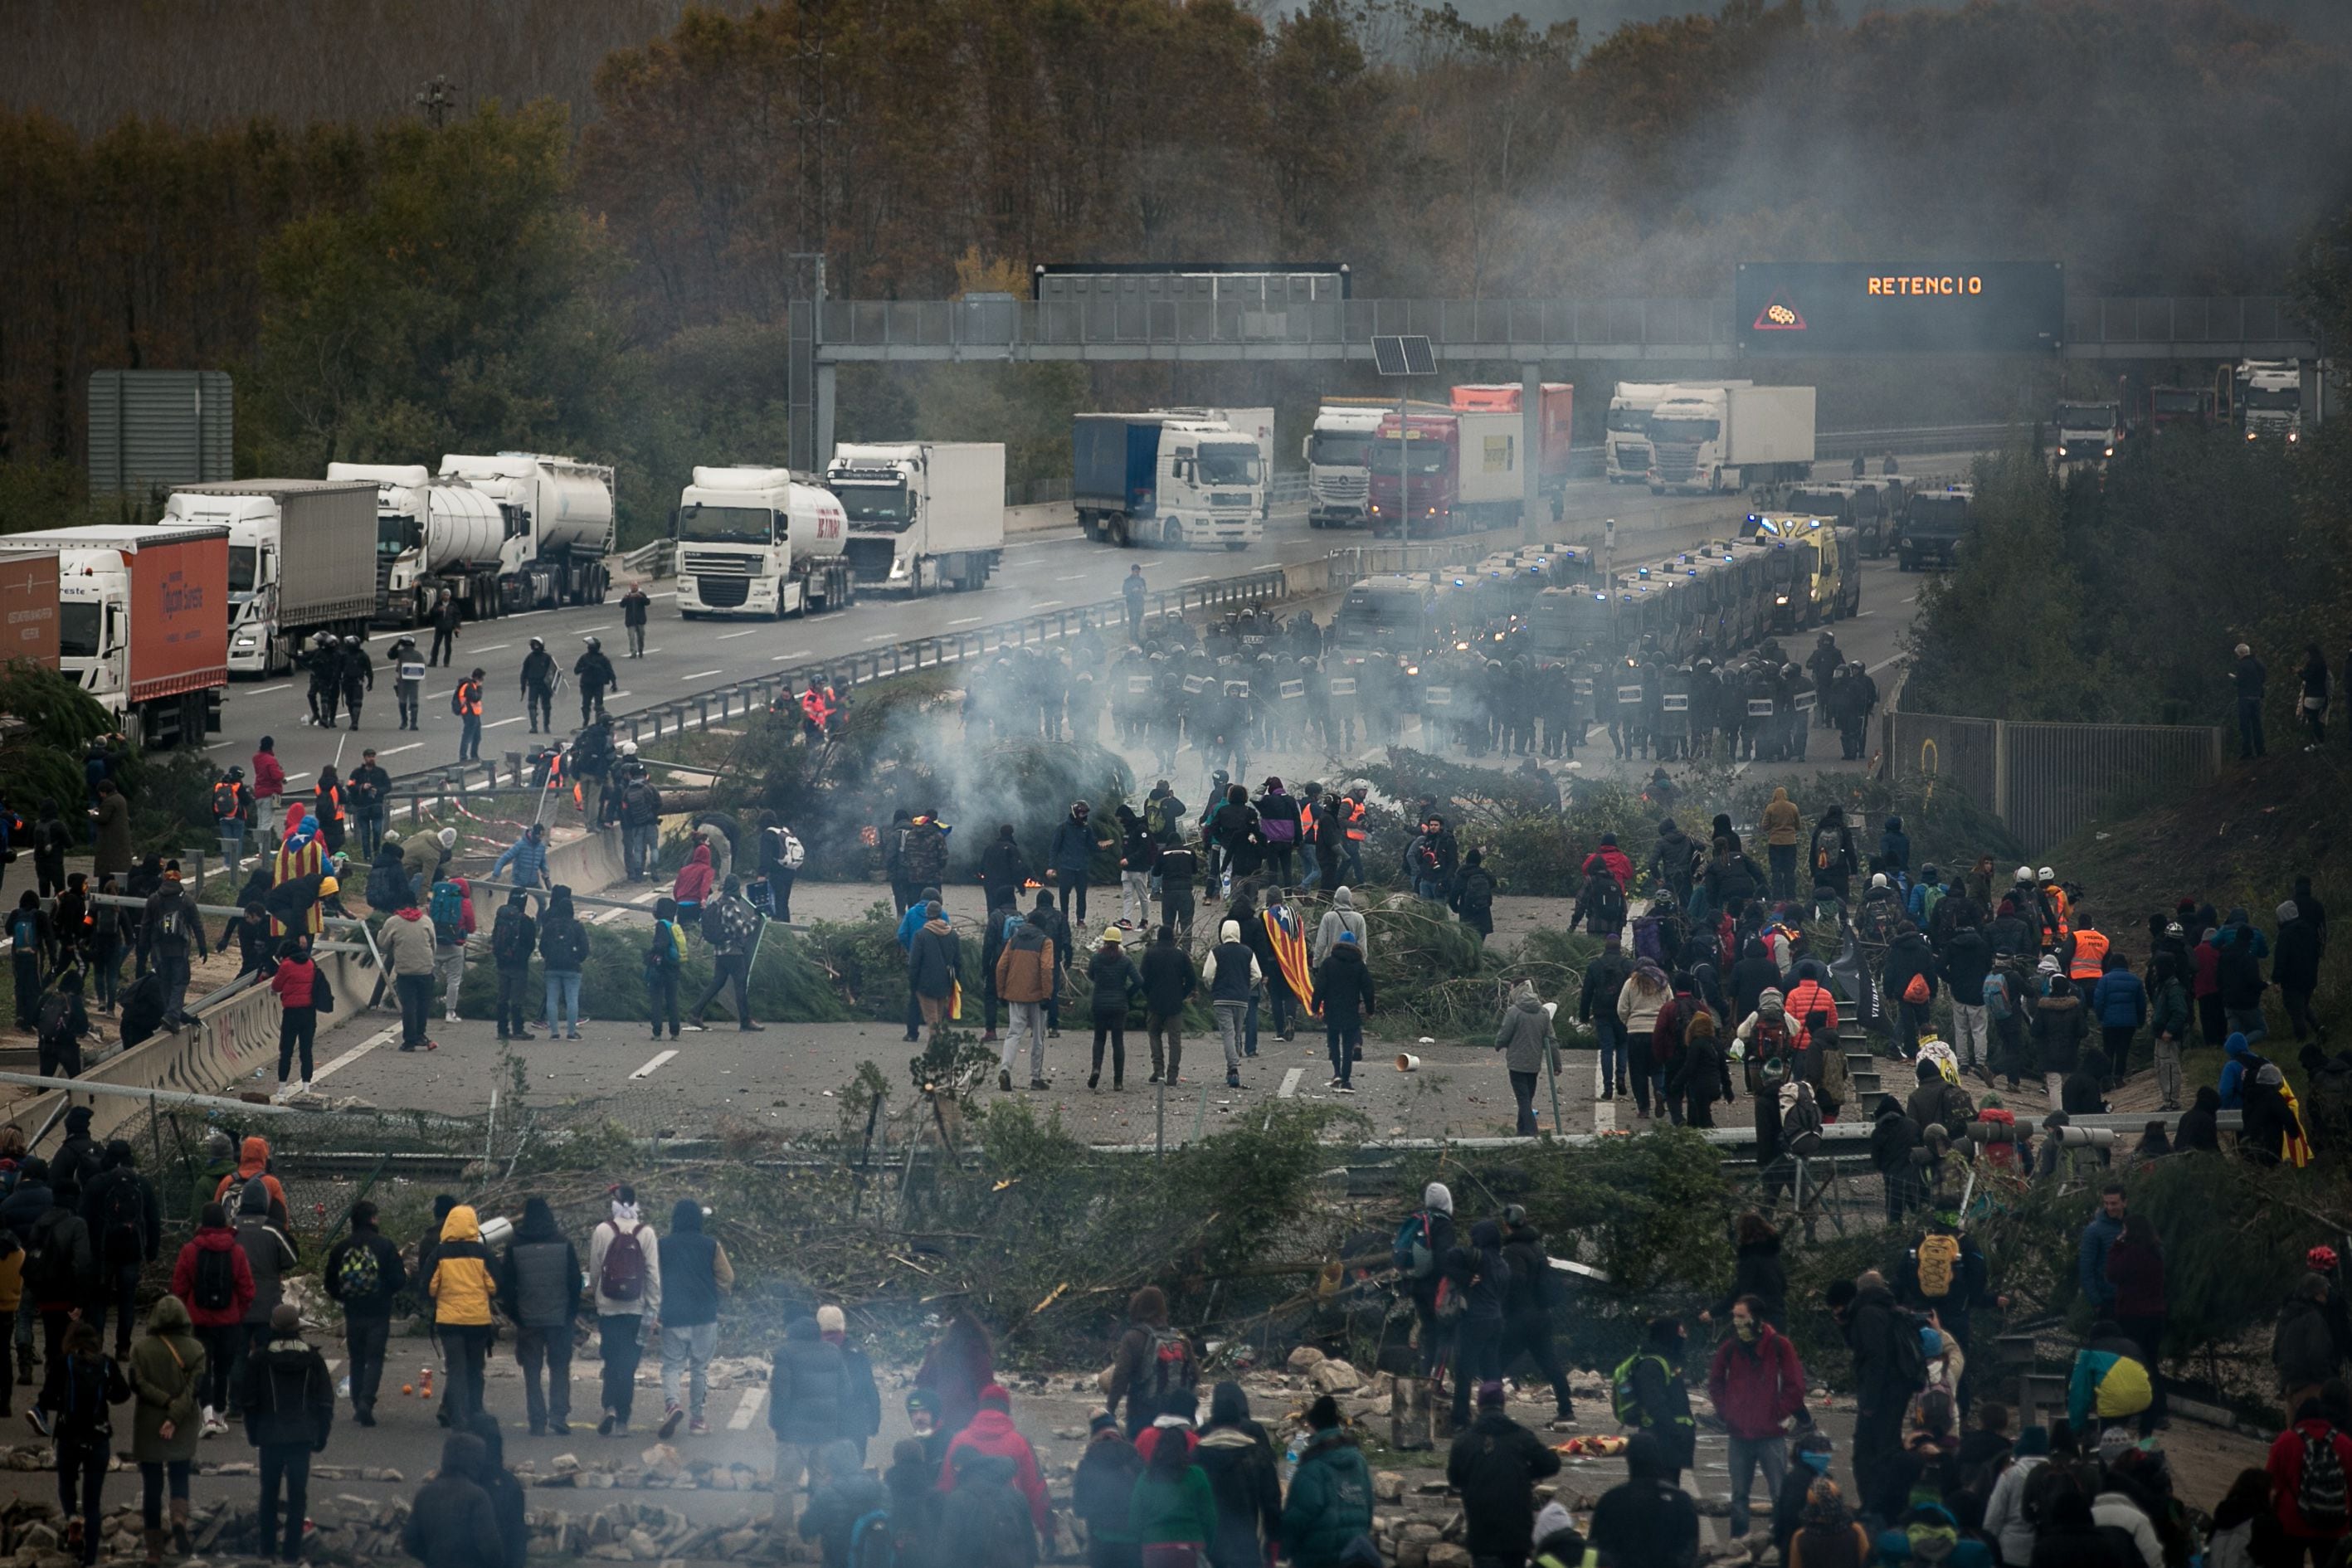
x: 1115, y: 526
x: 1236, y: 544
x: 1657, y: 489
x: 1172, y: 534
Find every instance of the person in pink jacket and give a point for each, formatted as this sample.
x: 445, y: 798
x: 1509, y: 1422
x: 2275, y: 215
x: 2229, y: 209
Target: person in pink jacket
x: 992, y: 1432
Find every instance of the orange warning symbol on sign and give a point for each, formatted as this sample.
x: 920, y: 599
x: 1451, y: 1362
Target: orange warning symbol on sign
x: 1779, y: 316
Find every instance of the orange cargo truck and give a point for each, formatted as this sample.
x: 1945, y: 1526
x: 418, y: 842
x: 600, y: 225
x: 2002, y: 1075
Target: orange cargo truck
x: 143, y: 622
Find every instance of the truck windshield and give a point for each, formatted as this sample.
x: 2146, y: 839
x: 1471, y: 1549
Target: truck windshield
x: 2173, y: 400
x: 1631, y: 421
x: 78, y: 629
x: 1664, y: 429
x: 2085, y: 416
x: 2283, y: 399
x: 699, y: 524
x: 1933, y: 513
x: 1423, y: 459
x: 1339, y: 449
x: 243, y: 559
x: 395, y: 532
x: 1228, y: 464
x: 876, y: 506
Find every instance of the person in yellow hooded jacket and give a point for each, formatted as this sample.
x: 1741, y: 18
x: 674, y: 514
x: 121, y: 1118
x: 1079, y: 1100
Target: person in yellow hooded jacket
x: 462, y: 1286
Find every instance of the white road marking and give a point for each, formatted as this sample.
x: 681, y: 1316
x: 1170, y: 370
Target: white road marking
x: 266, y: 691
x: 698, y: 674
x: 583, y: 631
x: 296, y: 778
x: 883, y: 637
x: 1604, y: 1112
x: 1882, y: 664
x: 1912, y: 599
x: 730, y: 636
x: 968, y: 621
x: 1073, y: 577
x: 502, y: 724
x: 747, y: 1408
x: 412, y: 746
x: 1190, y: 581
x: 1046, y: 604
x: 647, y: 1070
x: 495, y: 648
x: 1290, y: 1083
x: 382, y: 1039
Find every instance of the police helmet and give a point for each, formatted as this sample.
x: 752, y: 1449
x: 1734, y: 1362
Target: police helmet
x: 628, y: 748
x: 537, y: 645
x: 594, y: 645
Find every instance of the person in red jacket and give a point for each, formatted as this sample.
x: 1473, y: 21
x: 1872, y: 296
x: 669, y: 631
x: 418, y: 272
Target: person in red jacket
x: 298, y: 1021
x: 992, y: 1432
x: 268, y: 773
x: 2293, y: 1448
x: 692, y: 889
x: 1756, y: 1384
x: 198, y: 1274
x: 2136, y: 1268
x: 1612, y: 858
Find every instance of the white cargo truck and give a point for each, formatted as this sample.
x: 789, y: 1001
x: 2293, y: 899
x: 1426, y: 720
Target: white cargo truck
x: 301, y: 561
x: 432, y: 536
x: 1725, y: 437
x: 756, y: 541
x: 1625, y: 444
x: 923, y: 515
x: 2270, y: 392
x: 559, y: 525
x: 1339, y: 453
x: 1255, y: 423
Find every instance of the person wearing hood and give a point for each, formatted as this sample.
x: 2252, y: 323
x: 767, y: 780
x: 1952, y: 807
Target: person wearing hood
x: 1471, y: 894
x: 167, y: 1372
x: 1343, y: 916
x: 462, y: 1286
x: 1702, y: 1074
x: 1023, y: 981
x: 1675, y: 860
x: 991, y: 1435
x: 1476, y: 1272
x: 1231, y: 974
x: 847, y: 1494
x: 2271, y: 1132
x: 2294, y: 970
x: 80, y: 1156
x: 1330, y: 1501
x: 1604, y: 981
x: 935, y: 971
x: 1495, y: 1464
x: 1102, y: 1491
x: 808, y: 1392
x: 59, y: 1269
x: 695, y: 1274
x: 363, y: 1273
x: 2061, y: 1023
x: 1754, y: 975
x: 87, y: 1381
x: 562, y: 954
x: 1965, y: 961
x: 984, y: 1513
x: 914, y: 1506
x: 625, y: 1262
x: 1528, y: 1302
x: 1910, y: 985
x: 693, y: 885
x: 409, y: 952
x: 1895, y: 855
x: 1169, y: 980
x: 126, y: 1231
x: 1892, y: 1138
x: 253, y: 1162
x: 1155, y: 1369
x: 1779, y: 824
x: 213, y: 1280
x: 1529, y: 1047
x: 2005, y: 1519
x: 289, y: 1409
x: 1070, y: 858
x: 1343, y: 993
x: 539, y: 1290
x: 2199, y: 1129
x: 1646, y: 993
x: 1279, y: 823
x: 1757, y: 1385
x: 1237, y: 1456
x: 452, y: 1521
x: 1866, y: 1314
x: 1647, y: 1519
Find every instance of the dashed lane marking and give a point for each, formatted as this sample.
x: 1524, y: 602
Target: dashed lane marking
x: 1290, y: 1083
x: 647, y: 1071
x: 747, y: 1408
x: 382, y: 1038
x: 730, y: 636
x: 698, y: 674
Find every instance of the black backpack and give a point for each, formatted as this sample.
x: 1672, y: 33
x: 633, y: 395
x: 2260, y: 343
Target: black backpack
x: 215, y: 1289
x: 49, y: 1269
x: 510, y: 937
x: 123, y: 1220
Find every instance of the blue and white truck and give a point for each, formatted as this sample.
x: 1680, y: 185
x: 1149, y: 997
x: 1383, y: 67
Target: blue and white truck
x: 1157, y: 478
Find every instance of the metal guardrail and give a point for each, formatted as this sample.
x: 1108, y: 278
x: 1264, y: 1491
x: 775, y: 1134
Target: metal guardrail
x: 658, y: 558
x: 1913, y: 441
x: 698, y: 710
x: 1481, y: 329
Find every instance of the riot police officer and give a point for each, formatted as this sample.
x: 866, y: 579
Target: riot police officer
x: 407, y: 662
x: 355, y: 671
x: 539, y: 686
x: 594, y: 673
x: 325, y: 661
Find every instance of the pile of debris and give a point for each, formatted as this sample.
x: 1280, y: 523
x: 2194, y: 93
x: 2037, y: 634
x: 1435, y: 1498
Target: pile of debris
x: 660, y: 1467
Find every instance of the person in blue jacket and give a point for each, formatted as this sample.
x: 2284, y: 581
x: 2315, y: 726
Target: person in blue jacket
x: 2119, y: 1002
x: 1894, y: 850
x: 2238, y: 1068
x: 908, y: 924
x: 2091, y: 1258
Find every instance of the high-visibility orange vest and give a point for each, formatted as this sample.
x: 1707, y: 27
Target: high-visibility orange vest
x: 469, y: 699
x: 2056, y: 898
x: 225, y: 801
x: 1351, y: 812
x: 813, y: 706
x: 2090, y: 950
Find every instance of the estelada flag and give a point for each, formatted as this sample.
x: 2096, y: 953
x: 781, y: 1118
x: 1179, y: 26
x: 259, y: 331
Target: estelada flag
x: 1288, y: 938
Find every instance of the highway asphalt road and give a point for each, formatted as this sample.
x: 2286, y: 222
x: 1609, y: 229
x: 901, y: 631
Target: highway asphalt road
x: 1040, y: 572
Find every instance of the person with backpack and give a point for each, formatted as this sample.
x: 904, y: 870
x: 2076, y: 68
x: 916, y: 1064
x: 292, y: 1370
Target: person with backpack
x: 1421, y: 1245
x: 2108, y: 1382
x: 1647, y: 1395
x: 624, y: 1261
x: 665, y: 958
x: 1909, y: 978
x: 1600, y: 904
x: 1155, y: 1369
x: 513, y: 936
x: 1945, y: 1273
x: 452, y: 1522
x: 461, y: 1287
x: 289, y: 1409
x: 842, y: 1493
x: 126, y: 1232
x: 1889, y: 1366
x: 695, y: 1275
x: 451, y: 910
x: 1495, y: 1464
x: 87, y: 1381
x: 732, y: 927
x: 213, y: 1280
x: 562, y: 954
x: 781, y: 856
x: 2309, y: 1464
x: 60, y: 1271
x: 1102, y: 1490
x: 269, y: 1257
x: 1471, y: 895
x: 984, y: 1512
x: 29, y: 945
x: 362, y: 1274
